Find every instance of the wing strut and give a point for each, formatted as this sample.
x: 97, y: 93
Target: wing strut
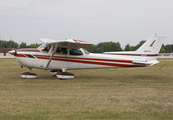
x: 56, y: 46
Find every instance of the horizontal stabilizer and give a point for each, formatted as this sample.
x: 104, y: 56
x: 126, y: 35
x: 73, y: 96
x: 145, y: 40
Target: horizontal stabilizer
x: 146, y: 63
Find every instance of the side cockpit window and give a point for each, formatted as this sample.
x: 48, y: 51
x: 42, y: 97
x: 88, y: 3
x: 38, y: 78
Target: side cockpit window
x: 75, y: 52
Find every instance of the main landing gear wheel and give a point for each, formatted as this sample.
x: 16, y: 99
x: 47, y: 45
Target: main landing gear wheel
x: 62, y: 75
x: 28, y: 75
x: 65, y: 75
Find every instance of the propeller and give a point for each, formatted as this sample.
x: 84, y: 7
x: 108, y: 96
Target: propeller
x: 13, y: 52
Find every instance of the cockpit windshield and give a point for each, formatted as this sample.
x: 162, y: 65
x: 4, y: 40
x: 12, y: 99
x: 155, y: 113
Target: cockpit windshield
x: 86, y: 52
x: 44, y: 47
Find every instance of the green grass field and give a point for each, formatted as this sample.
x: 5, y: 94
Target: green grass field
x: 125, y: 93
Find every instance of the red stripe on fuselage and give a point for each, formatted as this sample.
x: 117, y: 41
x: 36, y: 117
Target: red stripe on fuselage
x: 143, y: 55
x: 42, y: 56
x: 94, y: 61
x: 106, y: 60
x: 20, y: 55
x: 59, y: 57
x: 84, y: 60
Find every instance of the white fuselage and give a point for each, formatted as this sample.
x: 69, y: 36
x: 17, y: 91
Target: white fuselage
x: 62, y: 55
x: 33, y: 58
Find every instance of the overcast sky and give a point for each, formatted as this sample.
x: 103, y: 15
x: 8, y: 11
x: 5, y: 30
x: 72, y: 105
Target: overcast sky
x: 124, y: 21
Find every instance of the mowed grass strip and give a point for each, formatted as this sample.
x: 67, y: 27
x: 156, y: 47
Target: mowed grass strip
x: 125, y: 93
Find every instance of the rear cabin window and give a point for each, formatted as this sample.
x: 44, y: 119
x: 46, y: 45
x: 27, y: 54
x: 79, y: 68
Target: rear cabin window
x: 62, y: 51
x: 75, y: 52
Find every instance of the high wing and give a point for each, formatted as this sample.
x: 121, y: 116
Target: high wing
x: 69, y: 43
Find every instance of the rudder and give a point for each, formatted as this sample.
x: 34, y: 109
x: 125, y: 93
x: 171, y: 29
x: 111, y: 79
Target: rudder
x: 152, y: 45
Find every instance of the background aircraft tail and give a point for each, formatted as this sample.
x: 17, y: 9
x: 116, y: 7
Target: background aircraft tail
x: 152, y: 45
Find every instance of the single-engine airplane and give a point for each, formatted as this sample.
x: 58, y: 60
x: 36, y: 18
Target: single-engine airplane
x: 61, y: 55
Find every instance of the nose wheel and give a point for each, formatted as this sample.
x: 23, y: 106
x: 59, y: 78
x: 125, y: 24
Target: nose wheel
x: 28, y: 75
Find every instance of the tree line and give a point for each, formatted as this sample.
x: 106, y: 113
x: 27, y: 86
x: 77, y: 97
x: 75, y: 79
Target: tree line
x: 115, y: 46
x: 12, y: 44
x: 99, y: 48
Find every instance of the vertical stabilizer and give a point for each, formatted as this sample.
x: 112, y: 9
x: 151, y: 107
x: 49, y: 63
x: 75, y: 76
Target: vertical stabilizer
x: 152, y: 45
